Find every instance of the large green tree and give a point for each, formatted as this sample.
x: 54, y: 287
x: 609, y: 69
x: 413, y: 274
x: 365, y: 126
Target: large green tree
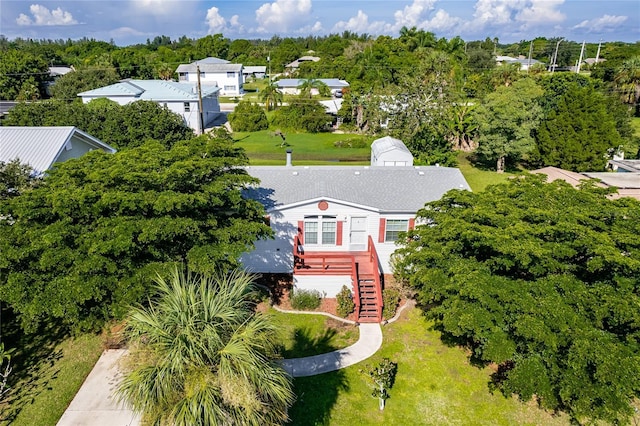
x: 202, y: 355
x: 82, y: 244
x: 22, y: 73
x: 302, y: 114
x: 15, y: 177
x: 271, y: 96
x: 578, y: 133
x: 507, y: 118
x: 541, y: 279
x: 248, y: 117
x: 69, y: 85
x: 121, y: 126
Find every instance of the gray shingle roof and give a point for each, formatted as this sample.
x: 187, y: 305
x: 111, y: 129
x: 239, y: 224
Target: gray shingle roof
x: 40, y: 146
x: 387, y: 189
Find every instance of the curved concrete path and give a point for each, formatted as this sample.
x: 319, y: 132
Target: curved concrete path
x: 368, y: 344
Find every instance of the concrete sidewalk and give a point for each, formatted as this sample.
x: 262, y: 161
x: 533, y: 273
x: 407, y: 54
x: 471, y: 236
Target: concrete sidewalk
x: 95, y: 403
x: 368, y: 344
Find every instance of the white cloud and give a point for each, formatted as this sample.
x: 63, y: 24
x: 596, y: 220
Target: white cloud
x: 606, y: 22
x: 126, y: 32
x: 541, y: 12
x: 359, y: 24
x: 160, y: 7
x: 42, y: 16
x: 215, y: 21
x: 495, y: 12
x: 412, y: 14
x: 280, y: 15
x: 310, y: 29
x: 441, y: 21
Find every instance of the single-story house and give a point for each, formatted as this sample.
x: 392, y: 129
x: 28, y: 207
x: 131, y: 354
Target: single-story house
x: 523, y: 62
x: 388, y: 151
x: 41, y: 147
x: 255, y: 71
x: 626, y: 183
x: 180, y: 98
x: 292, y: 67
x: 337, y: 225
x: 214, y: 72
x: 290, y: 86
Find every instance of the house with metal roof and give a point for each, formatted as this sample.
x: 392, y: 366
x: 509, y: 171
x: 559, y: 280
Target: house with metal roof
x: 226, y: 76
x: 42, y: 147
x: 180, y: 98
x: 292, y: 67
x: 290, y: 85
x: 337, y: 225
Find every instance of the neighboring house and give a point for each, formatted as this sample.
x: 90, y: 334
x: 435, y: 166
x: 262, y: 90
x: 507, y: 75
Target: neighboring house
x: 250, y: 71
x: 181, y: 98
x: 337, y: 225
x: 289, y: 86
x: 56, y: 73
x: 293, y: 66
x: 41, y: 147
x: 388, y: 151
x: 214, y: 72
x: 523, y: 62
x: 626, y: 183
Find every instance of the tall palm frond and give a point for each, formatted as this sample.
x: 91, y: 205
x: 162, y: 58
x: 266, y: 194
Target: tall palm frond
x: 200, y: 354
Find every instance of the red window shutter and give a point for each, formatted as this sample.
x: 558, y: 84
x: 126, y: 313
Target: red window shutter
x: 339, y: 233
x: 412, y: 224
x: 301, y: 231
x: 383, y: 223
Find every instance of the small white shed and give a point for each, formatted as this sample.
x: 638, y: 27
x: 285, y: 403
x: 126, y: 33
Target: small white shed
x: 388, y: 151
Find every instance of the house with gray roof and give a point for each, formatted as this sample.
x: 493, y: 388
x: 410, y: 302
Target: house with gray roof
x: 290, y: 85
x: 217, y: 72
x: 337, y: 225
x: 42, y: 147
x: 180, y: 98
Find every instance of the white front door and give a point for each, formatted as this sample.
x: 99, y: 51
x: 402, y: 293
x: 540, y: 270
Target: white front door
x: 358, y: 233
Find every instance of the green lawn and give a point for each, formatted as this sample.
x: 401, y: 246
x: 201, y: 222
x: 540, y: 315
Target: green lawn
x: 479, y: 179
x: 267, y: 148
x: 49, y: 377
x: 307, y: 335
x: 435, y: 385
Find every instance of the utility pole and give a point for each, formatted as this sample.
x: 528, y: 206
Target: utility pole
x: 555, y: 57
x: 269, y: 71
x: 530, y: 53
x: 598, y: 53
x: 580, y: 60
x: 200, y: 112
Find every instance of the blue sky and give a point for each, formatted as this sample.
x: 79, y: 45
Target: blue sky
x: 133, y: 21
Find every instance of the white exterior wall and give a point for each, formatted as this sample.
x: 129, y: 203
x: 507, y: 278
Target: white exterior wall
x: 219, y: 79
x: 394, y: 157
x: 330, y: 285
x: 276, y: 256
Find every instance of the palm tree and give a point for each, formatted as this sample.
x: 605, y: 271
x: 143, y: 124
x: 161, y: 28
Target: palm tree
x: 201, y: 355
x: 271, y: 96
x: 307, y: 86
x: 628, y: 81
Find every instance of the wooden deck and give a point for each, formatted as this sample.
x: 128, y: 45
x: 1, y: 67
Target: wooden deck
x: 362, y: 266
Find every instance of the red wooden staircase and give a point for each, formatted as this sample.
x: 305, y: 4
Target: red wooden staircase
x: 362, y: 266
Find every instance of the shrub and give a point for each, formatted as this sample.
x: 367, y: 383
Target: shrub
x: 345, y: 302
x: 302, y: 114
x: 390, y: 298
x: 303, y: 300
x: 248, y: 117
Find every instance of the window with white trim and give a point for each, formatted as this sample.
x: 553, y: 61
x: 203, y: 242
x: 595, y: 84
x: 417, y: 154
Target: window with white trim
x: 231, y: 74
x: 230, y: 88
x: 394, y: 227
x: 187, y: 107
x: 320, y: 230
